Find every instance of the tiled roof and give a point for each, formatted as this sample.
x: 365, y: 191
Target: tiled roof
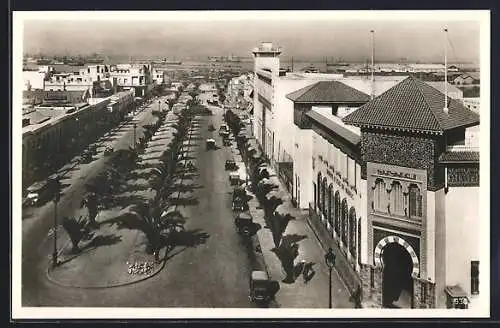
x: 459, y: 157
x: 412, y: 105
x: 328, y: 92
x: 335, y: 127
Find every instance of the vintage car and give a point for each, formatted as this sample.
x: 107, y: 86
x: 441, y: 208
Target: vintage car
x: 231, y: 165
x: 87, y: 156
x: 223, y: 129
x: 244, y: 223
x: 40, y: 192
x: 234, y: 178
x: 240, y: 200
x: 211, y: 144
x: 262, y: 290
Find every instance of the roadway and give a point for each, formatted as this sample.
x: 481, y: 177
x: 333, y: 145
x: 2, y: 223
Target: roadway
x: 213, y: 272
x: 37, y: 222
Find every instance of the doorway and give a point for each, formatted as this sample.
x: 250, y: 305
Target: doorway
x: 397, y: 284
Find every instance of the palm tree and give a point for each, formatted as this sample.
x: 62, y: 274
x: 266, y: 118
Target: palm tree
x: 77, y: 229
x: 150, y: 215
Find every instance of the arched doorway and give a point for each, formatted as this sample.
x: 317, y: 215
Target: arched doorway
x: 397, y: 284
x: 400, y: 264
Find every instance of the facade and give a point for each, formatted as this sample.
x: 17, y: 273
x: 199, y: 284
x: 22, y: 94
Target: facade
x: 62, y: 122
x: 84, y: 79
x: 384, y: 197
x: 34, y: 80
x: 132, y: 76
x: 422, y: 187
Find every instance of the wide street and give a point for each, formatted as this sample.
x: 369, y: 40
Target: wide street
x: 38, y: 222
x: 212, y: 272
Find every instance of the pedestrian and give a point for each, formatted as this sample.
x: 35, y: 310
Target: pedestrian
x: 308, y: 272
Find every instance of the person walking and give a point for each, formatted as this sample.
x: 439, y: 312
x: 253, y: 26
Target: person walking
x: 308, y: 272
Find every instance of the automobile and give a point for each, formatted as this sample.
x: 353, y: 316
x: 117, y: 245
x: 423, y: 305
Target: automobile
x: 108, y: 150
x: 211, y: 127
x: 93, y: 149
x: 231, y: 165
x: 240, y: 200
x: 38, y: 193
x: 223, y: 128
x: 243, y: 223
x: 234, y: 178
x: 210, y: 143
x: 87, y: 156
x: 262, y: 290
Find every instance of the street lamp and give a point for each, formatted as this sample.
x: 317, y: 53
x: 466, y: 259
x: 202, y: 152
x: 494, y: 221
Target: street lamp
x: 56, y: 188
x: 330, y: 262
x: 135, y: 127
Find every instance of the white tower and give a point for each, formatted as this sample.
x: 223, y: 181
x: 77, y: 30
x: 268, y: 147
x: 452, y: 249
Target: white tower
x: 267, y: 57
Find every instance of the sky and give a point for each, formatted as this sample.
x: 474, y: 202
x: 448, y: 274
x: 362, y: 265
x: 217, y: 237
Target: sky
x: 302, y: 39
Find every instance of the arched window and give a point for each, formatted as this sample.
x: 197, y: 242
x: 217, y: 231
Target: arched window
x: 380, y: 196
x: 396, y: 197
x: 345, y: 219
x: 337, y: 213
x: 415, y: 201
x: 318, y: 185
x: 330, y: 205
x: 352, y: 231
x: 359, y: 241
x: 323, y: 197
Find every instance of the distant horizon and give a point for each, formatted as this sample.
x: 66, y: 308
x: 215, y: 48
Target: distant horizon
x: 303, y: 37
x: 283, y: 59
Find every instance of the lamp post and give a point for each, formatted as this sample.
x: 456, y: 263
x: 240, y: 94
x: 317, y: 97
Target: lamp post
x: 135, y: 127
x: 330, y: 262
x: 57, y: 195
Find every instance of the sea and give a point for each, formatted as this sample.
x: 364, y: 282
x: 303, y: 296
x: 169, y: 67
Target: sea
x: 243, y: 65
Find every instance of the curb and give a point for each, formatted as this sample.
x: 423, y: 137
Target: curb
x: 154, y: 273
x: 323, y: 246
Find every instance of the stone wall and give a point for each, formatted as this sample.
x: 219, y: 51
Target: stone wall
x: 405, y: 150
x: 424, y: 294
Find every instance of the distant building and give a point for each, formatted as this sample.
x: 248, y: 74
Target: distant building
x: 452, y: 91
x: 467, y: 79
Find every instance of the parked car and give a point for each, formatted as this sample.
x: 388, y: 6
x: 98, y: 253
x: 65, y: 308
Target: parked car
x: 211, y: 127
x: 262, y: 289
x: 211, y: 145
x: 244, y: 223
x: 231, y: 165
x: 87, y: 156
x: 223, y: 129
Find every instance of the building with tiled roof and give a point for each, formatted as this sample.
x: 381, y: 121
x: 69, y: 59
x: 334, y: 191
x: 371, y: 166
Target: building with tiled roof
x: 389, y: 182
x: 328, y: 92
x: 420, y: 107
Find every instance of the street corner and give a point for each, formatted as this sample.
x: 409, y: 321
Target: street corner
x: 112, y: 257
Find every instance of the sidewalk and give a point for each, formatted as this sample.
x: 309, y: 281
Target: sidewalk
x: 298, y: 294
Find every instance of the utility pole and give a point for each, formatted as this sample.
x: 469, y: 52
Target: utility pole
x: 373, y: 61
x: 445, y: 71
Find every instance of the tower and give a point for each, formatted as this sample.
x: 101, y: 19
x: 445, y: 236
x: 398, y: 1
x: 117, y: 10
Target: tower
x: 267, y: 57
